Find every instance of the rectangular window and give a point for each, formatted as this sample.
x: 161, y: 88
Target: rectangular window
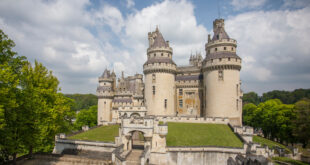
x: 180, y: 92
x: 221, y: 75
x: 237, y: 89
x: 153, y: 90
x: 237, y: 106
x: 180, y: 103
x: 165, y: 103
x: 153, y: 78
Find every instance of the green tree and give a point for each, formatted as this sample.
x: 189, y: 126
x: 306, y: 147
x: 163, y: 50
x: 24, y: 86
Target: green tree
x: 46, y: 112
x: 86, y: 117
x: 302, y: 122
x: 32, y: 110
x: 11, y: 127
x: 82, y: 101
x: 273, y: 117
x: 250, y: 97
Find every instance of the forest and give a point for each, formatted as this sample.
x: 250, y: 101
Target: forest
x: 282, y: 116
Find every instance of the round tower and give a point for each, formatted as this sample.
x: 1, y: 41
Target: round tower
x: 159, y: 71
x: 221, y: 70
x: 105, y: 93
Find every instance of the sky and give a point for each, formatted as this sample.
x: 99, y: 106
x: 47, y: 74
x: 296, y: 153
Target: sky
x: 77, y: 40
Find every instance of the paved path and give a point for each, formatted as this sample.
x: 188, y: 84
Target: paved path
x: 134, y: 157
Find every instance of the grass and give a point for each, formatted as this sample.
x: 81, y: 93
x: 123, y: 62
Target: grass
x: 289, y: 160
x: 199, y: 134
x: 103, y: 133
x: 269, y: 143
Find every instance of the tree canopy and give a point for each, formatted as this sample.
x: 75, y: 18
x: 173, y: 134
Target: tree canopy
x: 32, y: 110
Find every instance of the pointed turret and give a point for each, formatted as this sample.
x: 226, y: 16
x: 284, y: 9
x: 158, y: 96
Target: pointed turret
x: 159, y: 66
x: 221, y: 73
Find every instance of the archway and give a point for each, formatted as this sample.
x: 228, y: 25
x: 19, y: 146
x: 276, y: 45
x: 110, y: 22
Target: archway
x: 138, y: 140
x: 135, y: 115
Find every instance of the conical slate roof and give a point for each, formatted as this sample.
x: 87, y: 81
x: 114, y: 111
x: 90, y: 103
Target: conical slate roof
x: 106, y: 74
x: 219, y: 34
x: 159, y: 40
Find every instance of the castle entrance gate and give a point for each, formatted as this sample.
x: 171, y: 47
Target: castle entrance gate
x: 137, y: 132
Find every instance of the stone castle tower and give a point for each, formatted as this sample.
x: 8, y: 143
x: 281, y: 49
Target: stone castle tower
x: 159, y: 71
x: 221, y: 72
x: 105, y: 93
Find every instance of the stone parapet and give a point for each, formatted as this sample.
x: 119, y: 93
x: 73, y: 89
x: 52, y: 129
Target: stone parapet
x: 63, y: 144
x: 159, y: 67
x: 105, y: 94
x: 162, y: 49
x: 211, y: 120
x: 221, y: 41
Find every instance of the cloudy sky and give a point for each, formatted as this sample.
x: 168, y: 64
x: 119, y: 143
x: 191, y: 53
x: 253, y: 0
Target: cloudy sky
x: 77, y: 40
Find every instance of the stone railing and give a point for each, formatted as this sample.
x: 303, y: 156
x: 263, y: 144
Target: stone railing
x: 144, y: 158
x: 162, y: 130
x: 241, y: 150
x: 66, y: 144
x: 119, y: 156
x: 214, y: 120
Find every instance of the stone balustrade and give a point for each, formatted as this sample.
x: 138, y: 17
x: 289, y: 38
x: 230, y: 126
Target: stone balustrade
x: 213, y: 120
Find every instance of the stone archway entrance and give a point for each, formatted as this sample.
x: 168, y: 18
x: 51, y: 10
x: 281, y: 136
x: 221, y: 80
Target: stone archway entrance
x: 138, y: 140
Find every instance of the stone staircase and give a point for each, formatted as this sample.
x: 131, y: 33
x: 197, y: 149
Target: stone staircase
x: 134, y: 157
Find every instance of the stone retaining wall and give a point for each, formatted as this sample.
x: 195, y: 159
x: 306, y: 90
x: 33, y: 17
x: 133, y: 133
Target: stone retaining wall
x: 66, y: 144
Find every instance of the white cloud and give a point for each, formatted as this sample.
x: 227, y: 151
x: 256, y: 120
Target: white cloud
x: 247, y: 4
x: 130, y: 3
x: 110, y: 16
x: 176, y: 21
x: 273, y: 47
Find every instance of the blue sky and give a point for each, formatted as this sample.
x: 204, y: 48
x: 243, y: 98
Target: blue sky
x: 77, y: 40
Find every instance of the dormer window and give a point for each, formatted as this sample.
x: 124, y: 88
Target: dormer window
x: 224, y: 48
x: 228, y: 58
x: 220, y: 59
x: 215, y: 49
x: 162, y: 54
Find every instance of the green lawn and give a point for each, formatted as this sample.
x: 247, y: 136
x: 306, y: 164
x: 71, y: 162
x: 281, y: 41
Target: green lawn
x: 103, y: 133
x: 198, y: 134
x: 289, y: 160
x: 269, y: 143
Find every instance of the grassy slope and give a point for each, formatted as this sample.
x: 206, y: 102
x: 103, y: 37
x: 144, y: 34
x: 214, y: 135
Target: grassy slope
x: 269, y: 143
x: 197, y: 134
x: 289, y: 160
x: 103, y: 133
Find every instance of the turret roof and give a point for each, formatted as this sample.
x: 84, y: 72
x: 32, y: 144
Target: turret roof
x: 106, y: 74
x: 159, y: 40
x: 219, y: 34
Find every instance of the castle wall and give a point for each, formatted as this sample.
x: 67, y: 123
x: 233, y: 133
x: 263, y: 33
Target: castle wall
x: 164, y: 89
x: 188, y: 101
x: 195, y: 155
x: 223, y: 96
x: 104, y: 110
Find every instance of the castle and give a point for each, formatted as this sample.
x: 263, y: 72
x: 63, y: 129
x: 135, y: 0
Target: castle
x: 206, y: 93
x: 208, y: 87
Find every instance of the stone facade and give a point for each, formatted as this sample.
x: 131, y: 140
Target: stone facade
x: 207, y: 87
